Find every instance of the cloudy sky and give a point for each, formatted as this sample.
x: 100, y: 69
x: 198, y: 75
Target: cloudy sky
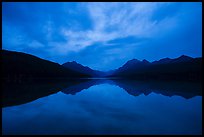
x: 103, y: 36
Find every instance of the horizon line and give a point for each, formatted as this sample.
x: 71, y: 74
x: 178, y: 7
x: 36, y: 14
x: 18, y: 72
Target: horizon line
x: 96, y: 69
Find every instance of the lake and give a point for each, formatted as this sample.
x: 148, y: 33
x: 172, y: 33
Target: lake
x: 102, y: 106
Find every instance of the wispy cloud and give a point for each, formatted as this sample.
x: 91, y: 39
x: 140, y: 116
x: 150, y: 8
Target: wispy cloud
x: 97, y: 32
x: 117, y: 20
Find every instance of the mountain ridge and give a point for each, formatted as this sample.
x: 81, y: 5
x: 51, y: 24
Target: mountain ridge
x: 73, y: 65
x: 18, y: 66
x: 27, y: 65
x: 183, y: 67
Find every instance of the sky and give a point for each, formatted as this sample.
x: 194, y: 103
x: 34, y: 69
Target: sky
x: 103, y: 35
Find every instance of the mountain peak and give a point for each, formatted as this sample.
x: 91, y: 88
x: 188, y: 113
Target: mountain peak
x: 74, y: 62
x: 70, y: 63
x: 145, y: 61
x: 73, y: 65
x: 133, y: 60
x: 184, y: 56
x: 166, y: 58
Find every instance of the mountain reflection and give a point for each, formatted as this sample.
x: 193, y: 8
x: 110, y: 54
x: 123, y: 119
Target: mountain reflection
x: 135, y: 88
x: 16, y: 94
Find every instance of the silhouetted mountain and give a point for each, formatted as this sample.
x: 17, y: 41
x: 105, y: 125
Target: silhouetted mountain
x: 182, y: 68
x: 145, y: 61
x: 132, y: 65
x: 19, y: 66
x: 182, y: 58
x: 83, y: 69
x: 162, y: 61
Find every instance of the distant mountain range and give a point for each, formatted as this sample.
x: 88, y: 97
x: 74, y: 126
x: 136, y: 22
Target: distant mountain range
x: 17, y: 65
x: 183, y: 67
x: 83, y: 69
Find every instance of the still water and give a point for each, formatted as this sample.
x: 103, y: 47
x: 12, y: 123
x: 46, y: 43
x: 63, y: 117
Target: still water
x: 108, y: 107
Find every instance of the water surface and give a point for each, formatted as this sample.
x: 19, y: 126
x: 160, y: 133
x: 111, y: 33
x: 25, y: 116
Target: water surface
x: 108, y: 107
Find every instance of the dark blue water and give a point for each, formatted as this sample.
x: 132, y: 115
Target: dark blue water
x: 105, y: 109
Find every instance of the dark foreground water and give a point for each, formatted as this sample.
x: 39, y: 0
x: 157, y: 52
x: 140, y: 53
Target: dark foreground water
x: 103, y: 107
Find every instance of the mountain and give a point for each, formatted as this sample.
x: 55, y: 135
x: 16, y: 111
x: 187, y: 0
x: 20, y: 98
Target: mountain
x: 19, y: 66
x: 182, y: 58
x: 133, y: 65
x: 162, y: 61
x: 83, y: 69
x: 183, y: 67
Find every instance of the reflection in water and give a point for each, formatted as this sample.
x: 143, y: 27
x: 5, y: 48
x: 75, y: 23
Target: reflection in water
x: 16, y: 94
x: 20, y: 93
x: 135, y: 88
x: 167, y: 88
x: 103, y: 107
x: 85, y: 85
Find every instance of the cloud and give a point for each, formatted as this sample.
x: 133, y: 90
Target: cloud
x: 97, y: 34
x: 114, y: 21
x: 109, y: 21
